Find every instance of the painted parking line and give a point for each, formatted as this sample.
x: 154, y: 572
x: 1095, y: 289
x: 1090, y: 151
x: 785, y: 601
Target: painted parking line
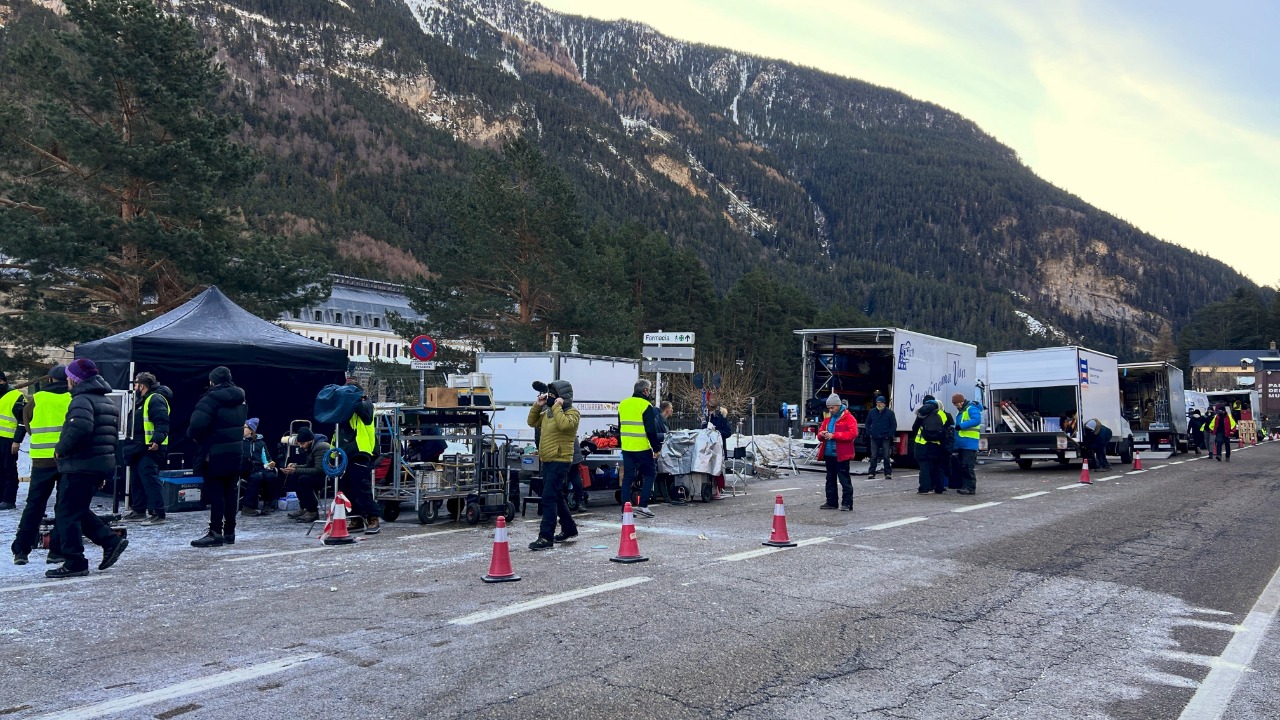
x: 1215, y: 691
x: 784, y: 490
x: 49, y: 584
x: 1177, y: 462
x: 432, y: 534
x: 976, y: 507
x: 182, y: 689
x: 476, y: 618
x: 896, y: 523
x: 1030, y: 495
x: 770, y: 550
x: 243, y: 558
x: 1135, y: 472
x: 1073, y: 485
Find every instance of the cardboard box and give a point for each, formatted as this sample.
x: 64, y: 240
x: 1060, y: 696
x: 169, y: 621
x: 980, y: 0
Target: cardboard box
x: 442, y: 397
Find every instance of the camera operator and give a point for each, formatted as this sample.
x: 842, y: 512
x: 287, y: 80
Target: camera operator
x: 554, y: 416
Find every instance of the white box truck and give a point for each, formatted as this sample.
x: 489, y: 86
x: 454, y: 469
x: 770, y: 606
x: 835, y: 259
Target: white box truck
x: 861, y: 363
x: 599, y: 384
x: 1155, y: 405
x: 1030, y: 390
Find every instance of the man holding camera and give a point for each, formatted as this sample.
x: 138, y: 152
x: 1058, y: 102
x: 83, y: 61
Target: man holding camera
x: 554, y: 416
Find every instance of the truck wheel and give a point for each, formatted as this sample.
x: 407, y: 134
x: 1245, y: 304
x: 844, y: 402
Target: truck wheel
x: 390, y: 510
x: 1024, y: 464
x: 1126, y: 453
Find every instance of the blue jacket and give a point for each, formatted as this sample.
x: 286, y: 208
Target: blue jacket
x: 974, y: 422
x: 882, y: 423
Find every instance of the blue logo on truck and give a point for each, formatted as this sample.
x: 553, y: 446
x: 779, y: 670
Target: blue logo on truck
x: 904, y: 354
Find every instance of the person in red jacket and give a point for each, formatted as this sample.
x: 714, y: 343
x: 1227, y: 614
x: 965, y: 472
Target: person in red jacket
x: 835, y: 448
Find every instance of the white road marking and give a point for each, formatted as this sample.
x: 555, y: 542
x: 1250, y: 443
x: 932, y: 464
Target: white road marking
x: 783, y: 489
x: 1209, y: 611
x: 1030, y: 495
x: 1210, y: 624
x: 1177, y: 462
x: 190, y: 687
x: 896, y: 523
x: 1211, y: 699
x: 1159, y: 467
x: 770, y: 550
x: 476, y: 618
x: 976, y: 507
x: 50, y: 583
x: 430, y: 534
x: 1135, y: 472
x: 1205, y: 660
x: 242, y: 558
x: 1073, y: 485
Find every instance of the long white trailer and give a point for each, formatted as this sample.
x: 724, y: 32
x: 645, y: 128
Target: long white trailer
x: 903, y: 366
x: 1030, y: 391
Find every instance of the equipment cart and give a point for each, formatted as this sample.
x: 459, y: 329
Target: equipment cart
x: 468, y: 477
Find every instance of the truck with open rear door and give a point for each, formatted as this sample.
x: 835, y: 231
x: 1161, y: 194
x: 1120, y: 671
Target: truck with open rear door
x: 860, y: 363
x: 1155, y: 403
x: 1030, y: 391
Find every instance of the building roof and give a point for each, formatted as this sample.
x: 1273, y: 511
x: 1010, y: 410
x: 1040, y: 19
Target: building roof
x: 353, y: 296
x: 1227, y: 358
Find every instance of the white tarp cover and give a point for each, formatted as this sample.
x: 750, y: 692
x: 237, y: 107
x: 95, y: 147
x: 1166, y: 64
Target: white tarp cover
x: 688, y: 451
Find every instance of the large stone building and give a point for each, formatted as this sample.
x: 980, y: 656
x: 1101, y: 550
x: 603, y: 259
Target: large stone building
x: 354, y: 318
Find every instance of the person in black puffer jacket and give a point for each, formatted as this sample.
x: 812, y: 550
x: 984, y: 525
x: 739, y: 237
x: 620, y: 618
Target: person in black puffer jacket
x: 217, y: 426
x: 86, y: 456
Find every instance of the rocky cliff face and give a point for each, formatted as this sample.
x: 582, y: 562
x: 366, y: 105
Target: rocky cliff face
x: 870, y: 198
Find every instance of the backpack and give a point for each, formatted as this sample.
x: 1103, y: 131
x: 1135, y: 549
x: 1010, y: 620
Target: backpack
x: 336, y: 403
x: 934, y: 429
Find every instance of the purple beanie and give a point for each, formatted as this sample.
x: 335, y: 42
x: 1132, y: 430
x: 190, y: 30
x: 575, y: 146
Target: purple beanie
x: 81, y: 369
x: 252, y: 424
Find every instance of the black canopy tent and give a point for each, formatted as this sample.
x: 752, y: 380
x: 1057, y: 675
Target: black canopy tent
x: 280, y: 371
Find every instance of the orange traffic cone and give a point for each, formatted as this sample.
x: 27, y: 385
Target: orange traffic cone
x: 628, y: 548
x: 1084, y: 474
x: 778, y: 538
x: 1137, y: 460
x: 1240, y: 446
x: 500, y: 566
x: 335, y: 528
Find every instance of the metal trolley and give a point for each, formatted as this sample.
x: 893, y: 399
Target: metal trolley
x: 470, y: 485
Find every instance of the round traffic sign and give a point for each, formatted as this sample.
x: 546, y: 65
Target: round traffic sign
x: 423, y: 347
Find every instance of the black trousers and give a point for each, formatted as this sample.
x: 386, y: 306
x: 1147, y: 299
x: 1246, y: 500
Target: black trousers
x: 838, y: 470
x: 223, y: 494
x: 261, y: 484
x: 73, y: 518
x: 357, y: 485
x: 145, y: 493
x: 44, y: 480
x: 308, y: 487
x: 8, y: 472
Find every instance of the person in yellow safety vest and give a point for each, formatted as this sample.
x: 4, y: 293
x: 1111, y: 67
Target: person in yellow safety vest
x: 357, y: 439
x: 145, y: 452
x: 968, y: 421
x: 12, y: 431
x: 1219, y: 429
x: 44, y: 416
x: 638, y: 428
x: 932, y: 447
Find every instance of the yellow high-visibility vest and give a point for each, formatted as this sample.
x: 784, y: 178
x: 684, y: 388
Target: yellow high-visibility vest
x: 148, y: 428
x: 920, y: 433
x: 8, y: 421
x: 48, y: 413
x: 967, y: 433
x: 365, y: 438
x: 631, y: 424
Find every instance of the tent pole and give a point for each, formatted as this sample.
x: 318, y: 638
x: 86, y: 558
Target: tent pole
x: 128, y: 471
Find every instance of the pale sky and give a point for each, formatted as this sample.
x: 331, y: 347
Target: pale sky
x: 1164, y: 113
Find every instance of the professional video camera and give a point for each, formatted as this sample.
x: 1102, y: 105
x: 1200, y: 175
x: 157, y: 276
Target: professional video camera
x: 561, y: 389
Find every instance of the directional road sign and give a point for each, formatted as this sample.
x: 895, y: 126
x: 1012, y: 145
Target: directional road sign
x: 423, y: 347
x: 657, y: 352
x: 667, y: 366
x: 669, y: 338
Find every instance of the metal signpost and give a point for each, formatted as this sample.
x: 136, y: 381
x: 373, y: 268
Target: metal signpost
x: 423, y: 348
x: 659, y: 356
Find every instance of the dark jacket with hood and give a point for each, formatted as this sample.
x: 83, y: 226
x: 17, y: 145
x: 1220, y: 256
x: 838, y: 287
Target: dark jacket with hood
x: 347, y: 434
x: 253, y: 455
x: 556, y: 426
x: 217, y: 425
x: 91, y: 432
x: 313, y: 467
x: 159, y: 418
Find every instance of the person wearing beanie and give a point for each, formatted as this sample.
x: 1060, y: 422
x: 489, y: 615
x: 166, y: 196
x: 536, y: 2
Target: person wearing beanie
x: 145, y: 451
x: 44, y: 416
x: 257, y: 472
x: 217, y: 427
x: 882, y: 427
x: 309, y: 476
x: 12, y: 431
x: 836, y: 434
x: 968, y: 421
x: 85, y: 453
x: 930, y: 433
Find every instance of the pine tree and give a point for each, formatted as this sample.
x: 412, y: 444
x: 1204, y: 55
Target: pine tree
x: 114, y: 166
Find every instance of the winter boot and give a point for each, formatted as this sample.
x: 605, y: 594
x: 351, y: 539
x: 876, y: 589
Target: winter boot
x: 211, y: 539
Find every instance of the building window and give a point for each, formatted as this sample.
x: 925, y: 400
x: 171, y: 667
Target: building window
x: 359, y: 347
x: 359, y: 320
x: 333, y: 343
x: 376, y: 349
x: 339, y: 344
x: 337, y: 318
x: 297, y: 314
x: 377, y: 322
x: 394, y: 350
x: 319, y: 316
